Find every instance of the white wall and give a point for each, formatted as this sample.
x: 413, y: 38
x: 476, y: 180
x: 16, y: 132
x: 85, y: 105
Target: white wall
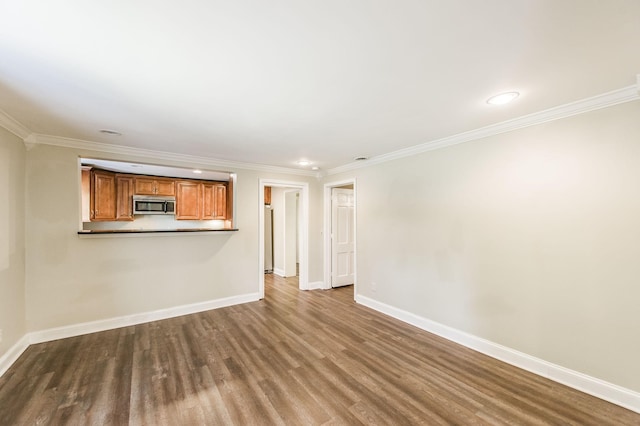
x: 530, y: 239
x: 12, y: 240
x: 73, y: 280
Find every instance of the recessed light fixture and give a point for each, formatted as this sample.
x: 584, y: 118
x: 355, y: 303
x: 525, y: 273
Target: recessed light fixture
x: 197, y: 171
x: 502, y: 98
x: 110, y: 132
x: 304, y: 162
x: 315, y: 168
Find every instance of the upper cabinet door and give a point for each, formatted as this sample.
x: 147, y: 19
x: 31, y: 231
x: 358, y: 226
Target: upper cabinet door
x: 148, y: 185
x: 188, y: 200
x: 220, y: 196
x: 103, y: 195
x: 267, y: 195
x: 145, y: 186
x: 124, y: 200
x: 165, y: 187
x: 214, y: 201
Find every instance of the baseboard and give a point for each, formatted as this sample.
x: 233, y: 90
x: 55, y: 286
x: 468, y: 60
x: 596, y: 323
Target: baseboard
x: 13, y: 354
x: 315, y: 285
x: 125, y: 321
x: 279, y: 272
x: 599, y: 388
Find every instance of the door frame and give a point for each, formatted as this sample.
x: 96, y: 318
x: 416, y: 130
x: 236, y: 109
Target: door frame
x: 303, y: 187
x: 327, y: 231
x: 287, y: 248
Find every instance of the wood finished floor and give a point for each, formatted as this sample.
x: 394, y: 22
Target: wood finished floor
x: 295, y: 358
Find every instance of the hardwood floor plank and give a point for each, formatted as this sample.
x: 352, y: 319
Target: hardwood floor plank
x: 34, y: 387
x: 334, y: 400
x: 250, y: 401
x: 312, y: 358
x: 291, y: 404
x: 210, y: 400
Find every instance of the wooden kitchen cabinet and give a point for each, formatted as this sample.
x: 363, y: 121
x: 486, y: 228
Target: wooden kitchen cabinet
x: 124, y: 197
x: 214, y: 201
x: 267, y: 195
x: 188, y: 200
x: 165, y: 187
x: 152, y: 185
x: 220, y: 207
x: 102, y: 195
x: 110, y: 196
x: 197, y: 200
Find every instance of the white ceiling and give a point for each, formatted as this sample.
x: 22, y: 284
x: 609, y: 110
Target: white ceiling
x: 271, y: 82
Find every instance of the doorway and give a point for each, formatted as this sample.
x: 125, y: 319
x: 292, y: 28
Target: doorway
x: 340, y: 234
x: 295, y: 231
x: 283, y: 213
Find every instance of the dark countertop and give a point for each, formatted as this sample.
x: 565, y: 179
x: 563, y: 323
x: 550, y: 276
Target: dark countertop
x: 149, y: 231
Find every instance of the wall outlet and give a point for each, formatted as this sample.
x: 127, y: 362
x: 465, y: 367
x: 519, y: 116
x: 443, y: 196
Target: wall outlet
x: 374, y: 287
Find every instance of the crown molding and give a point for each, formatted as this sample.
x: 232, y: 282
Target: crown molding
x: 227, y: 165
x: 615, y: 97
x: 13, y: 125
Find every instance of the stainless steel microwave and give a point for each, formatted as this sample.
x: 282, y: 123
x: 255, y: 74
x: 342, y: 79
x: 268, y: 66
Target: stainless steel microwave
x: 143, y: 204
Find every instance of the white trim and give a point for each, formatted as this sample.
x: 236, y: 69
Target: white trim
x: 13, y: 354
x: 279, y: 272
x: 261, y: 231
x: 48, y: 335
x: 39, y: 139
x: 303, y: 281
x: 79, y: 192
x: 13, y: 125
x: 615, y: 97
x: 599, y: 388
x: 604, y: 100
x: 315, y: 285
x: 327, y: 231
x: 129, y: 320
x: 30, y: 142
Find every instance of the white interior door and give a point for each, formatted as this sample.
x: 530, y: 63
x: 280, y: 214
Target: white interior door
x: 342, y: 237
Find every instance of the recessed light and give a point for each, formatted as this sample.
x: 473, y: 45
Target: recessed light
x: 197, y: 172
x: 110, y: 132
x: 502, y: 98
x: 304, y: 163
x: 315, y: 168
